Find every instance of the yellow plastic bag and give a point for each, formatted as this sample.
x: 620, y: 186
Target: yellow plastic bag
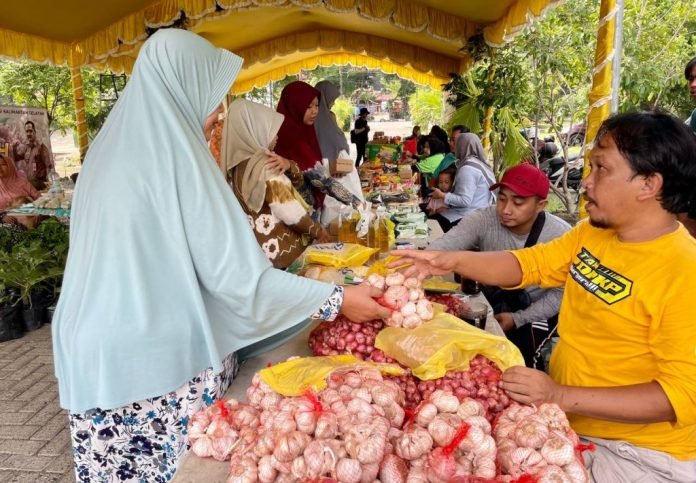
x: 338, y: 255
x: 295, y: 377
x: 443, y: 344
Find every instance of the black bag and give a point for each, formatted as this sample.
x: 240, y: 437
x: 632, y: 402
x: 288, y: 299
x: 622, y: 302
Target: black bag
x: 518, y: 299
x: 353, y: 136
x: 528, y: 339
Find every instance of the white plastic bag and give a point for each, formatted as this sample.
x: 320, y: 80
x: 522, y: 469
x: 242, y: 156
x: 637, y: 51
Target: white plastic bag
x: 350, y: 181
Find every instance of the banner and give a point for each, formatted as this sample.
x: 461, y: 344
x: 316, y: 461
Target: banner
x: 24, y: 137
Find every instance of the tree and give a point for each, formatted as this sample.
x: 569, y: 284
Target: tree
x: 426, y: 106
x: 344, y: 113
x: 49, y: 87
x: 661, y: 41
x: 43, y: 86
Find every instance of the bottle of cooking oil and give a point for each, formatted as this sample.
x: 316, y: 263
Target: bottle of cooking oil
x: 378, y: 236
x: 348, y: 225
x: 363, y: 224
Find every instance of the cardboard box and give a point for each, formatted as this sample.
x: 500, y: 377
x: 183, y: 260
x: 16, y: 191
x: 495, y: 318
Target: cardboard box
x: 341, y: 166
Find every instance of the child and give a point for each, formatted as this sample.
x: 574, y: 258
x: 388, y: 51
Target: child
x: 444, y: 182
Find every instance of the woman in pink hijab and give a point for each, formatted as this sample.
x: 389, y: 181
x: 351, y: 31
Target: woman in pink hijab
x: 15, y: 189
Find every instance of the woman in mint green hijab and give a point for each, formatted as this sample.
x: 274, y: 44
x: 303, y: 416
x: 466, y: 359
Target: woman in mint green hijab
x: 165, y: 280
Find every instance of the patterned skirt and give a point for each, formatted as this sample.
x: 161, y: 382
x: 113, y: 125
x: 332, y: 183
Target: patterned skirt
x: 144, y: 441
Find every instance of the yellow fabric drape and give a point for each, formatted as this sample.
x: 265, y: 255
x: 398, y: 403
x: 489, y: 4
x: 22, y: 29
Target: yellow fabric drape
x: 340, y: 47
x: 600, y: 94
x: 124, y: 36
x: 519, y: 15
x: 80, y: 116
x: 325, y: 60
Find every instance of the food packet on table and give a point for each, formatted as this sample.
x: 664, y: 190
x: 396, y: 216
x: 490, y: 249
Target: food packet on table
x: 444, y: 344
x: 296, y: 376
x: 338, y: 255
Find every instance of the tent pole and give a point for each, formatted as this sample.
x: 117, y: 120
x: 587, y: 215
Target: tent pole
x: 601, y: 93
x: 80, y: 117
x: 490, y: 110
x: 618, y: 51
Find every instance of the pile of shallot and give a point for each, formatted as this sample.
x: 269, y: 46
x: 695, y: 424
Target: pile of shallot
x: 453, y: 305
x: 480, y: 382
x: 405, y: 297
x: 538, y: 442
x: 343, y: 336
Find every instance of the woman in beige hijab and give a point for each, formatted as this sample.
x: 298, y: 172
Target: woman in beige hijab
x: 261, y: 180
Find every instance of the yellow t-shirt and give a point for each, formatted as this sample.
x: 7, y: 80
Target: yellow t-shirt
x: 628, y: 316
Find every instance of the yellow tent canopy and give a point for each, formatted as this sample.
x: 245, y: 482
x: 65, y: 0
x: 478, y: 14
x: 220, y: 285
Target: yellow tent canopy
x: 422, y: 40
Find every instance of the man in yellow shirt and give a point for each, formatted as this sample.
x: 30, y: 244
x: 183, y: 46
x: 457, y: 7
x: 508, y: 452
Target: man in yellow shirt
x: 625, y: 367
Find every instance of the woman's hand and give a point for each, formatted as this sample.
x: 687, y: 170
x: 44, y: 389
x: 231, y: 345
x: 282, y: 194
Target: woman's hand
x: 359, y: 303
x: 424, y: 262
x: 277, y: 163
x: 323, y: 236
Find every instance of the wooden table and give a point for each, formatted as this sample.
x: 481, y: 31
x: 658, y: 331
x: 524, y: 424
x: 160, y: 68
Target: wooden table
x: 193, y: 469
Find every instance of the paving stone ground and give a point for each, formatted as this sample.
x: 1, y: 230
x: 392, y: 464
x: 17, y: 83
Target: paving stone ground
x: 34, y: 437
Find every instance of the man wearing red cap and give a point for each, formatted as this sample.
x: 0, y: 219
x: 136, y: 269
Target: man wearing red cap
x: 517, y: 220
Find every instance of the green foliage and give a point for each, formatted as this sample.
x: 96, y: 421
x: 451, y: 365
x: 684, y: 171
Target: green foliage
x: 36, y: 85
x: 658, y: 41
x: 426, y: 106
x: 32, y: 261
x: 49, y: 87
x: 344, y: 113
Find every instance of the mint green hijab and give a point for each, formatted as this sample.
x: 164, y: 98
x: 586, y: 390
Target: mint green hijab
x: 164, y: 276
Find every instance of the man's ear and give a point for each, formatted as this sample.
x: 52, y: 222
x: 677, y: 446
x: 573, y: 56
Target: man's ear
x: 651, y: 188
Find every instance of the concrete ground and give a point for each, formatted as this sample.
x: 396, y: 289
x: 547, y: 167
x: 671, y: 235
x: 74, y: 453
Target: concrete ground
x: 34, y: 436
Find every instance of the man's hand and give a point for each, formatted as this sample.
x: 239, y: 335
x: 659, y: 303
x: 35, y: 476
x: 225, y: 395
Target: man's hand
x: 277, y: 164
x: 424, y: 262
x: 359, y: 303
x: 529, y: 386
x: 505, y: 321
x: 437, y: 194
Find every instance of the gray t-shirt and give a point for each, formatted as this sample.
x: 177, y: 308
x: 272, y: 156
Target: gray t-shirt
x: 482, y: 229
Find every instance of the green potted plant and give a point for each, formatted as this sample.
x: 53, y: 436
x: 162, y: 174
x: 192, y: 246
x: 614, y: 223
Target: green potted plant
x: 11, y: 323
x: 32, y: 271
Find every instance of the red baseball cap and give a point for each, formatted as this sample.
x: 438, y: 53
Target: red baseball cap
x: 525, y: 180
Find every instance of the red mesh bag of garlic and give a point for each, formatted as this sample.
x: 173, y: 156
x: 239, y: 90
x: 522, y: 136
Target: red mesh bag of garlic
x: 447, y: 439
x: 342, y: 432
x: 218, y: 429
x: 538, y: 442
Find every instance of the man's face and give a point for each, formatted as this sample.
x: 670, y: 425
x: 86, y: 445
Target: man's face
x: 515, y: 210
x: 30, y: 133
x: 611, y: 188
x: 692, y: 83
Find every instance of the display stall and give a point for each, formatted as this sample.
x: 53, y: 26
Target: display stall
x: 194, y: 469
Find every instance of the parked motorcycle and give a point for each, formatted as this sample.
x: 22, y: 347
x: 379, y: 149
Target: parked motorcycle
x: 552, y: 163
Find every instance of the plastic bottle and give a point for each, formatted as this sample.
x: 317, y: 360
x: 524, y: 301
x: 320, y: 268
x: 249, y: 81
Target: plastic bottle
x: 378, y: 236
x: 348, y: 224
